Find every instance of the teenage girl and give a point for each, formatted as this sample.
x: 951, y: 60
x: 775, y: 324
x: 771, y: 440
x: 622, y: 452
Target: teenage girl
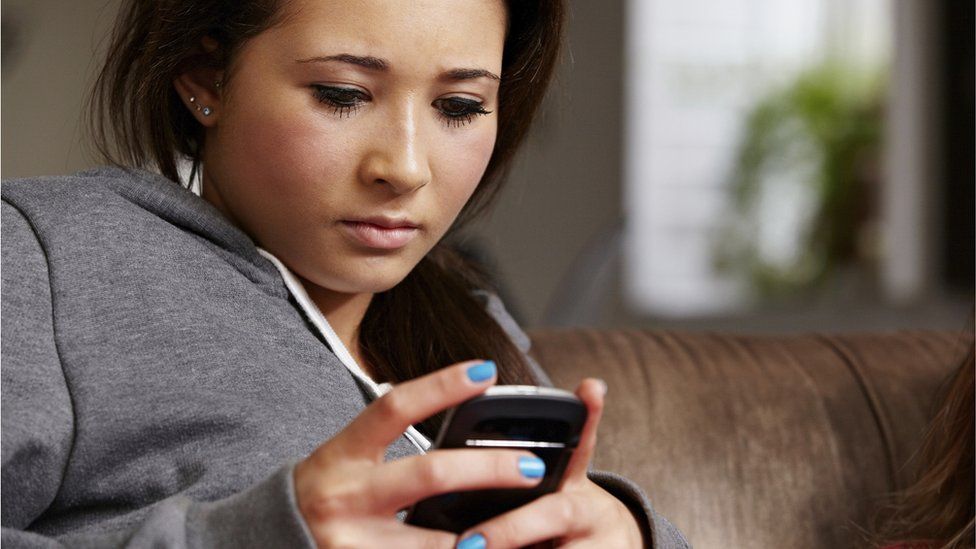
x: 263, y: 363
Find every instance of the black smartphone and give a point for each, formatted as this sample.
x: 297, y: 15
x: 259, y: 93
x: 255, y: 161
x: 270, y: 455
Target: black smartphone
x: 544, y: 421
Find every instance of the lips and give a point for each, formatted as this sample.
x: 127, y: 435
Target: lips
x: 383, y: 233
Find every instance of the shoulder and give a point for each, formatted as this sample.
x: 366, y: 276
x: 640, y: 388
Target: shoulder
x: 94, y: 217
x: 104, y: 203
x: 79, y: 200
x: 22, y: 255
x: 67, y: 193
x: 493, y: 306
x: 86, y: 182
x: 496, y: 309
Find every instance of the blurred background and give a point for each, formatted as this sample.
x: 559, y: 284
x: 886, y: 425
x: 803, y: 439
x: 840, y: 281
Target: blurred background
x: 736, y: 165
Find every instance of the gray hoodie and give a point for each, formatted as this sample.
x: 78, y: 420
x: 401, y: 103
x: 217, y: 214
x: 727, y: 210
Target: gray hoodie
x: 159, y: 381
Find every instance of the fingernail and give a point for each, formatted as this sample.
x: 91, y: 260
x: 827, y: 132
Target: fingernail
x: 474, y: 541
x: 603, y: 387
x: 531, y: 467
x: 481, y: 371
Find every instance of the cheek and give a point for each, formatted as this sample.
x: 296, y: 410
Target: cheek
x: 464, y: 164
x: 283, y: 156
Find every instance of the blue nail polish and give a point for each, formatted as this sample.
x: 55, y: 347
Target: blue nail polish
x: 474, y: 541
x: 532, y: 467
x: 481, y: 371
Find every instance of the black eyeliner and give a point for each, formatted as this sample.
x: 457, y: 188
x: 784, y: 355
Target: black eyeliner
x: 344, y: 101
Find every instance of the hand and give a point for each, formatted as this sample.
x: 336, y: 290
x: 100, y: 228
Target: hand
x: 349, y: 497
x: 579, y: 514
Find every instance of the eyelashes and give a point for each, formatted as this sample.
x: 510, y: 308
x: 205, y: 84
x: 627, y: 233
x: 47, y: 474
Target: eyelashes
x: 344, y: 102
x: 458, y: 111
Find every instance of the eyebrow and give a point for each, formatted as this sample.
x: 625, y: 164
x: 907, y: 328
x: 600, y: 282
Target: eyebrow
x: 367, y: 62
x: 469, y: 74
x: 377, y: 64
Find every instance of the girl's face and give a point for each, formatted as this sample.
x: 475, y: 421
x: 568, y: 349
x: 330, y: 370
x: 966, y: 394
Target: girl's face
x: 349, y: 137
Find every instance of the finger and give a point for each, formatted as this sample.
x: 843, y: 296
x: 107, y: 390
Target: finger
x: 398, y: 484
x: 411, y: 402
x: 558, y: 515
x: 375, y: 532
x: 591, y: 391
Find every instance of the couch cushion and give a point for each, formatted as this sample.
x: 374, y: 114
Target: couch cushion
x: 771, y: 441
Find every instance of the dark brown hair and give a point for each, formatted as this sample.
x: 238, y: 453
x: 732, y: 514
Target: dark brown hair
x: 431, y: 319
x: 938, y: 508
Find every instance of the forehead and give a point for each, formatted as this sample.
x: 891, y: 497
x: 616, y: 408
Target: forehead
x: 411, y: 34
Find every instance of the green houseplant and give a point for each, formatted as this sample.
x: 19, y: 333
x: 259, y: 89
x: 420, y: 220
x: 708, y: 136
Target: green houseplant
x: 804, y: 181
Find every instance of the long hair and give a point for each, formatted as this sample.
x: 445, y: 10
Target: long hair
x: 937, y: 510
x: 431, y: 318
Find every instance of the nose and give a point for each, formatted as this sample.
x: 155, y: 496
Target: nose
x: 397, y: 156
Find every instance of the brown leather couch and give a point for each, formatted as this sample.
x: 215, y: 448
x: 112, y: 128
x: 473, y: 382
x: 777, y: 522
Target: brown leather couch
x: 759, y: 441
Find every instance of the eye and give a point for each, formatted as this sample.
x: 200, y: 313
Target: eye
x: 344, y: 101
x: 458, y: 111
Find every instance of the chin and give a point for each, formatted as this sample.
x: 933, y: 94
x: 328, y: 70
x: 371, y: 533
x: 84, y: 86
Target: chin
x: 346, y: 273
x: 374, y: 280
x: 380, y: 274
x: 379, y: 285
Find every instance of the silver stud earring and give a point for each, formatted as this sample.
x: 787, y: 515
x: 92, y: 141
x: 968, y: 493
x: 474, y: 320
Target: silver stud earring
x: 207, y: 111
x: 218, y: 84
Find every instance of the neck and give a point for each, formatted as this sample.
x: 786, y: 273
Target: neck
x: 345, y: 313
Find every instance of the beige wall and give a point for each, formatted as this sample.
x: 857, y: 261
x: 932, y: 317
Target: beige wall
x: 48, y: 62
x: 566, y: 187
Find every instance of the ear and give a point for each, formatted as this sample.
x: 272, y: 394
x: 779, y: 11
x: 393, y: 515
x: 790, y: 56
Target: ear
x: 200, y: 89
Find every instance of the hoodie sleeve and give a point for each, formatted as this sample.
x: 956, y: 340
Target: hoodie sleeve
x: 38, y: 433
x: 494, y: 306
x: 658, y: 532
